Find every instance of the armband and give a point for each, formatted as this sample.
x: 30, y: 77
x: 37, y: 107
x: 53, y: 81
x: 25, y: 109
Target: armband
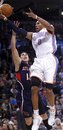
x: 36, y: 17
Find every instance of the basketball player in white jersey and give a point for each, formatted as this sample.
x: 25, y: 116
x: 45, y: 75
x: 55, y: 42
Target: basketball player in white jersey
x: 44, y: 68
x: 45, y: 65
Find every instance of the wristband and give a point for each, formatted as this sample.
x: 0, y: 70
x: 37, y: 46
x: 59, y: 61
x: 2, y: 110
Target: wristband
x: 36, y: 17
x: 5, y: 18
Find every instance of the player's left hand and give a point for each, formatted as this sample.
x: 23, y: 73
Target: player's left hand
x: 17, y: 23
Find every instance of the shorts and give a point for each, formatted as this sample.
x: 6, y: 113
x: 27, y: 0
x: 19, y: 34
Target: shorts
x: 28, y: 109
x: 45, y: 68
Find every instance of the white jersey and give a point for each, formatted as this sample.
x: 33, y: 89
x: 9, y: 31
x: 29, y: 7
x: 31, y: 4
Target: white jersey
x: 43, y: 43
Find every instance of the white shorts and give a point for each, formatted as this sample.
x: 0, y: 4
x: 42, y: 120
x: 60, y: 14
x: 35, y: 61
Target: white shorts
x: 45, y: 68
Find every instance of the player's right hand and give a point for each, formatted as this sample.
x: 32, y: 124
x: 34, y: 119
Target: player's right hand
x: 3, y: 17
x: 30, y: 14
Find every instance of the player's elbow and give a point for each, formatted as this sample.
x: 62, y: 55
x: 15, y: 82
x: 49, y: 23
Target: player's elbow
x: 52, y: 28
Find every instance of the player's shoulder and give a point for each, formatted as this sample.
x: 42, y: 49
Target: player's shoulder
x: 62, y: 124
x: 43, y: 31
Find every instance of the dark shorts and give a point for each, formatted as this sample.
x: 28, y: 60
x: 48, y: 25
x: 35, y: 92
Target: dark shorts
x: 28, y: 109
x: 42, y: 104
x: 27, y: 106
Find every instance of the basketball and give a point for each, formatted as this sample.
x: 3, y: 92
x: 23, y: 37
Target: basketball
x: 6, y: 9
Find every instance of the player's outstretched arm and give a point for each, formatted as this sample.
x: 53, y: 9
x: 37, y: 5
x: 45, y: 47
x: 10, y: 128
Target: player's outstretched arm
x: 21, y: 31
x: 45, y: 23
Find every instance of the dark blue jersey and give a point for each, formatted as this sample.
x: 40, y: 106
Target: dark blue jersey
x: 23, y: 76
x: 23, y: 84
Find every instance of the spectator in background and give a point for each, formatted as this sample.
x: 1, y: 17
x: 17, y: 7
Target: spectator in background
x: 61, y: 74
x: 58, y: 125
x: 6, y: 108
x: 58, y: 108
x: 13, y: 88
x: 62, y: 63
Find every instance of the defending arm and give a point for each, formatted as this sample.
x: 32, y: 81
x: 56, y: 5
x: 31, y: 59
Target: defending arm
x: 21, y: 31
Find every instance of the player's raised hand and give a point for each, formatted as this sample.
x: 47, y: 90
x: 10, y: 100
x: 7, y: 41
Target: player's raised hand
x: 17, y: 23
x: 30, y: 14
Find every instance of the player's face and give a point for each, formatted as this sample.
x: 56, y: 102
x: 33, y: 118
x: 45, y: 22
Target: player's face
x: 38, y: 26
x: 24, y: 56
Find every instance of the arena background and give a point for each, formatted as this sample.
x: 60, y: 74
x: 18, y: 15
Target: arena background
x: 48, y: 9
x: 51, y: 10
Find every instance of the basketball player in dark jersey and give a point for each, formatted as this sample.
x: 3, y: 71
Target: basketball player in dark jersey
x: 22, y: 71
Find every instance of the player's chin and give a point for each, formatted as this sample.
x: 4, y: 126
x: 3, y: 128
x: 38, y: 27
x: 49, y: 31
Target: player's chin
x: 26, y: 60
x: 37, y: 30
